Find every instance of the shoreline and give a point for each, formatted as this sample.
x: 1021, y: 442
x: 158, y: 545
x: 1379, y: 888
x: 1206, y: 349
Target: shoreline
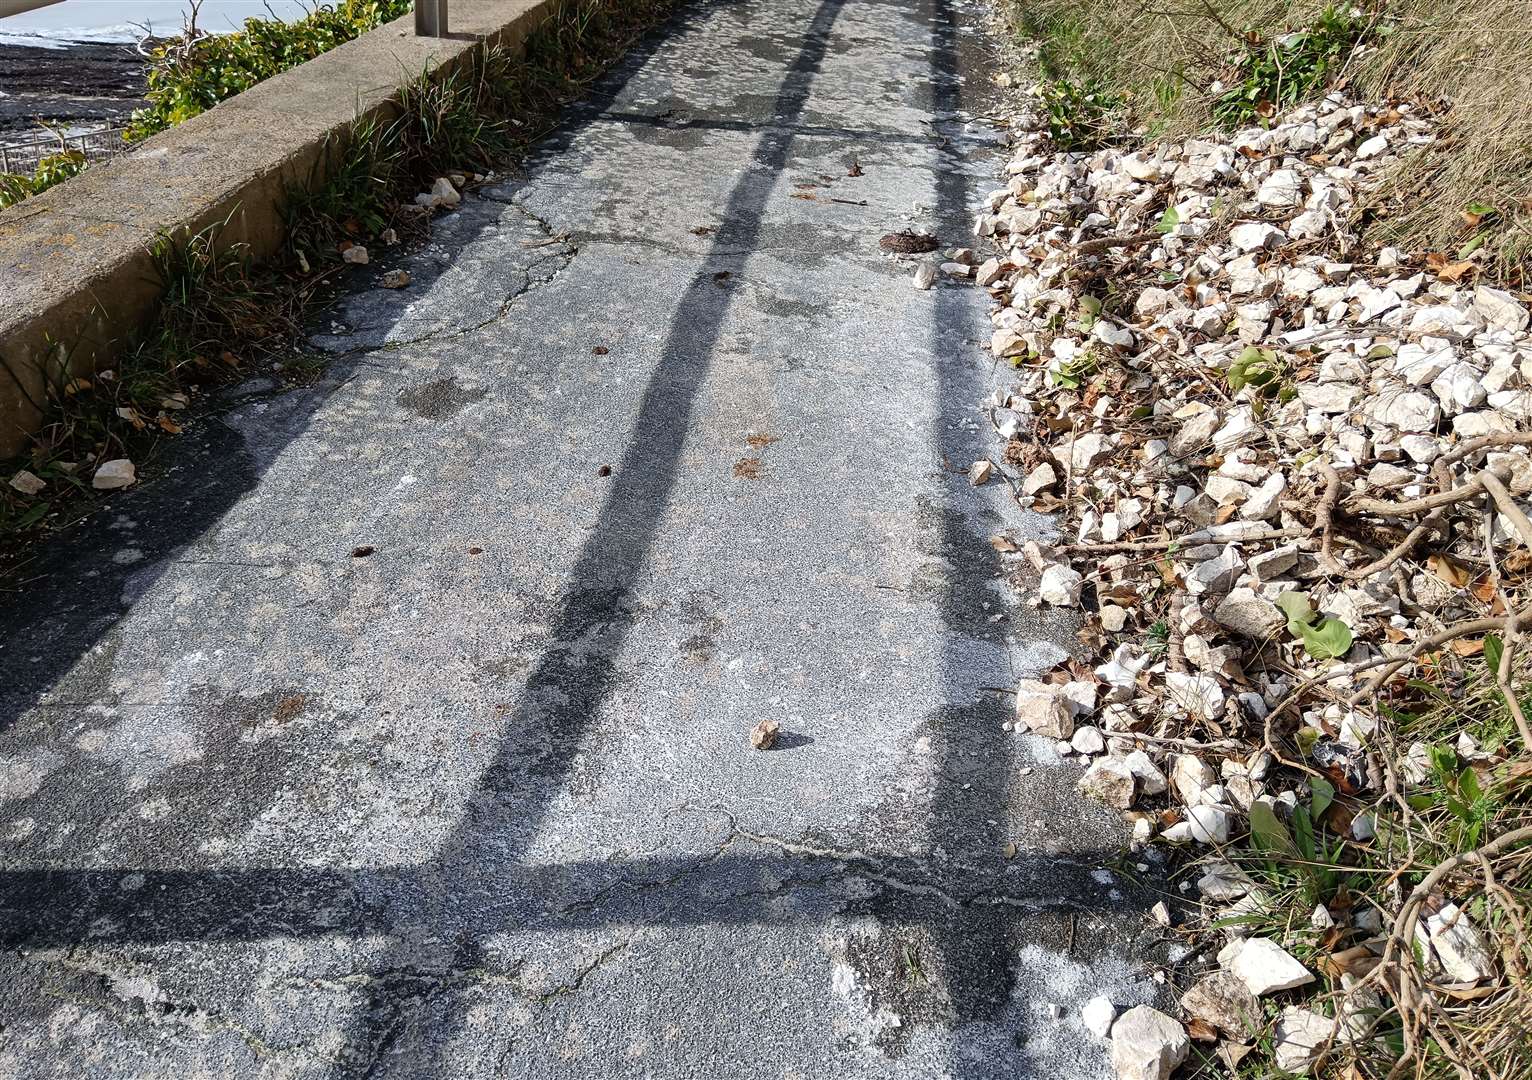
x: 92, y: 84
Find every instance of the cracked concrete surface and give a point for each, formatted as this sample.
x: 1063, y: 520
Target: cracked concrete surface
x: 656, y: 445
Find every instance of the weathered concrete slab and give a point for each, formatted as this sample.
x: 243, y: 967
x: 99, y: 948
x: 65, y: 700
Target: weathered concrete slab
x: 73, y: 261
x: 480, y: 802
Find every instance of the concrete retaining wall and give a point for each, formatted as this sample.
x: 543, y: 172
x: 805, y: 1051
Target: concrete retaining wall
x: 76, y: 279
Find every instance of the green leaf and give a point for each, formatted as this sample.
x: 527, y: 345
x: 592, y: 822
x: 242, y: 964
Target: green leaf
x: 1468, y: 784
x: 1494, y: 649
x: 1427, y: 688
x: 1269, y: 834
x: 1324, y: 795
x: 1329, y: 639
x: 1303, y: 827
x: 1295, y: 605
x: 1168, y: 221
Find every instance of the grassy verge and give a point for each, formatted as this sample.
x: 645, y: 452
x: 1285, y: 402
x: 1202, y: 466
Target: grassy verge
x: 1449, y: 847
x: 224, y: 316
x: 1121, y: 69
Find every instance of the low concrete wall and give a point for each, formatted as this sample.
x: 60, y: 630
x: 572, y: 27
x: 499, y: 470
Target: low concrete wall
x: 76, y: 279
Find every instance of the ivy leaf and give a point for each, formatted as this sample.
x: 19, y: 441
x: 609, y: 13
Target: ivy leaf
x: 1168, y: 221
x: 1326, y: 640
x: 1296, y: 606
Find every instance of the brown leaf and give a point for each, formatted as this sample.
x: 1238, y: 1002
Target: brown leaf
x: 1467, y: 646
x: 169, y: 426
x: 1466, y: 991
x: 1448, y: 571
x: 1447, y: 270
x: 1003, y: 543
x: 1201, y: 1030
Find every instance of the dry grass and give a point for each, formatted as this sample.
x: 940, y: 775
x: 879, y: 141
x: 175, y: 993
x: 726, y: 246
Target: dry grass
x: 1170, y: 59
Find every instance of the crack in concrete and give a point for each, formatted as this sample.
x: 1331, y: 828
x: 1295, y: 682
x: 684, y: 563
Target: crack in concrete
x: 560, y: 257
x: 573, y: 985
x: 853, y: 863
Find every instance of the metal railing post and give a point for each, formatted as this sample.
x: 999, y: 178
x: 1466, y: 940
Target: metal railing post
x: 430, y: 18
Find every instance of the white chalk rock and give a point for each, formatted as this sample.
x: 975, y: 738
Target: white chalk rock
x: 1060, y: 586
x: 1098, y: 1014
x: 1265, y: 967
x: 1147, y: 1044
x: 118, y: 473
x: 1301, y: 1038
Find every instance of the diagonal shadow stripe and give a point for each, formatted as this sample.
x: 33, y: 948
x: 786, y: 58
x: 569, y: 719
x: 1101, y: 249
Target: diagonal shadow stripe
x: 574, y: 677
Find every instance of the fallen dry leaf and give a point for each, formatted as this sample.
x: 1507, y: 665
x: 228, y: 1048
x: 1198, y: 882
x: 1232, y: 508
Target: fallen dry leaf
x: 907, y: 242
x: 1201, y: 1030
x: 1232, y: 1053
x: 1446, y: 270
x: 1448, y: 571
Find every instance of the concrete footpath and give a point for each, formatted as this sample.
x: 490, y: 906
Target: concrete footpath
x: 400, y: 728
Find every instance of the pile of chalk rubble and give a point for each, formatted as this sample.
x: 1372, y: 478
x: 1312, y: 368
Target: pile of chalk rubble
x: 1285, y: 465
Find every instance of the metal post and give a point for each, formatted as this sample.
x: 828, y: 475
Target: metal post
x: 430, y: 18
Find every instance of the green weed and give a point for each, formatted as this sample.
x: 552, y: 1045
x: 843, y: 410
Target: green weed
x: 1272, y: 74
x: 192, y: 73
x: 1080, y: 112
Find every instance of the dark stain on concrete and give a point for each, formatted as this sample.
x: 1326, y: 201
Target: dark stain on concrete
x: 439, y: 399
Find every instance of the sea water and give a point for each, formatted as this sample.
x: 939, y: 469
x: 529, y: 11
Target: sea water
x: 129, y: 20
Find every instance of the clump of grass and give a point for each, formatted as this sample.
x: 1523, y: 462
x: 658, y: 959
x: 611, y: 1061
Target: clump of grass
x: 220, y: 316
